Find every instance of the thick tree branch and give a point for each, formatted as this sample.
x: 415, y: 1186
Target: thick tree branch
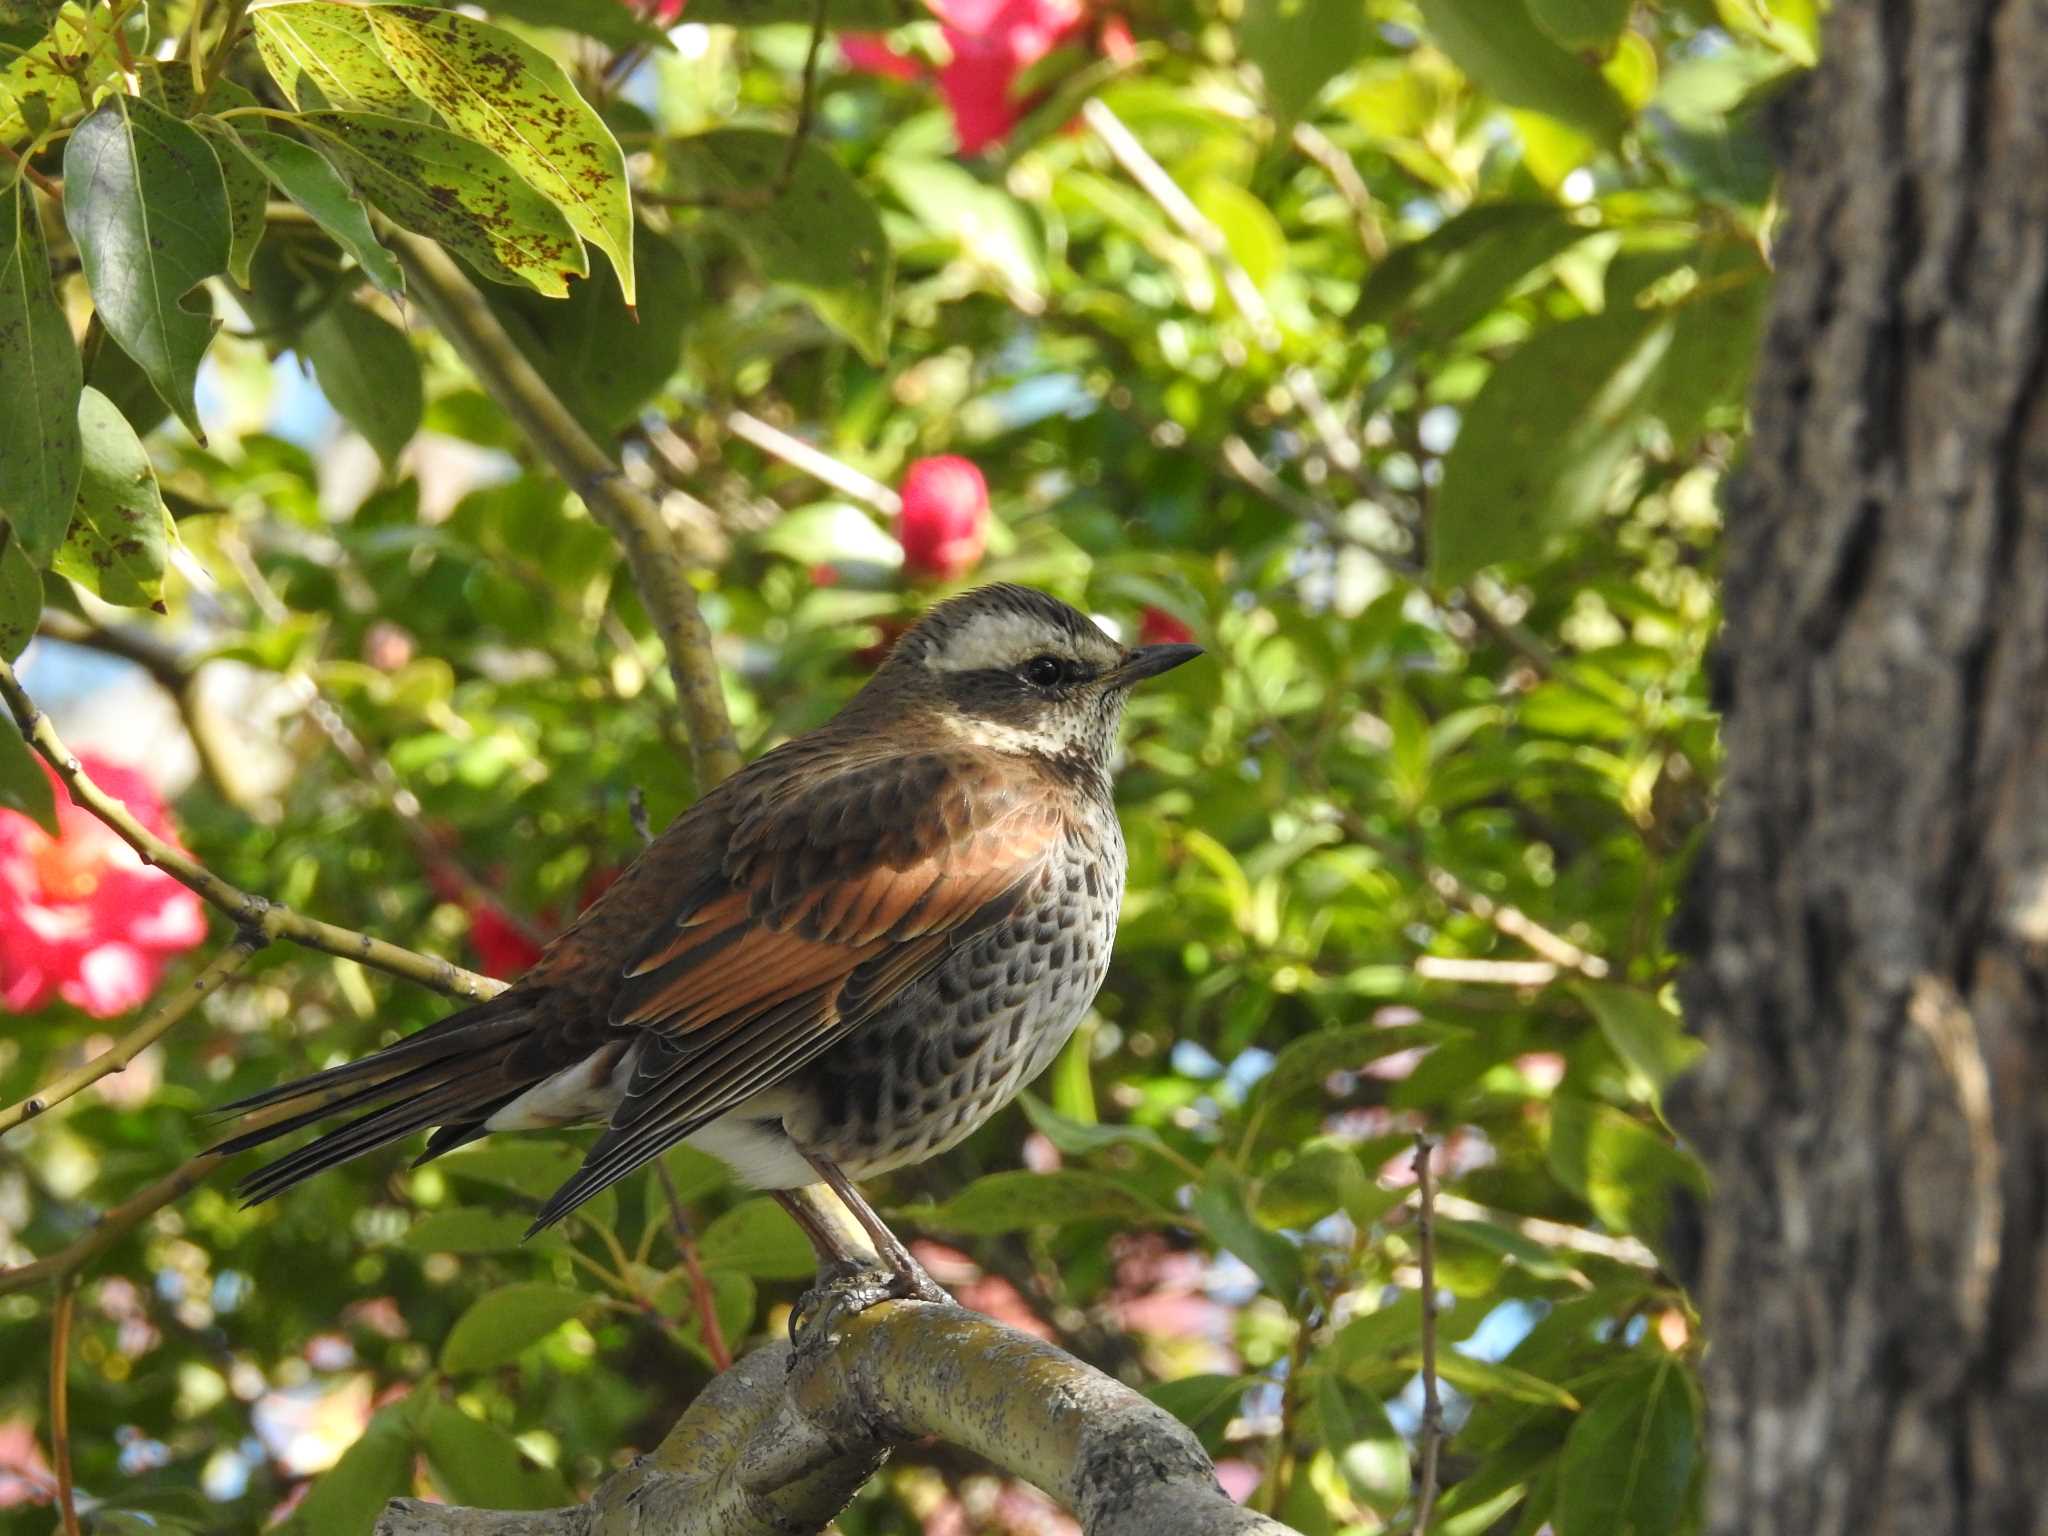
x: 252, y: 914
x: 777, y: 1445
x: 451, y: 300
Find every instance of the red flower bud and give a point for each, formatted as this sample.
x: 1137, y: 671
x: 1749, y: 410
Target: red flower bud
x: 943, y: 526
x: 1158, y: 627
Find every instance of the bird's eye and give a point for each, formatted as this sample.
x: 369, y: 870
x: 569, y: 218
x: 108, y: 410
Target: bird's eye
x: 1045, y: 671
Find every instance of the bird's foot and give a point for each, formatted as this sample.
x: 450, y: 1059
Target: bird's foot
x: 848, y: 1287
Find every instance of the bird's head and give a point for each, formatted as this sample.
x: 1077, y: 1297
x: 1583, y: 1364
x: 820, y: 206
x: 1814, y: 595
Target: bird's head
x: 1011, y: 669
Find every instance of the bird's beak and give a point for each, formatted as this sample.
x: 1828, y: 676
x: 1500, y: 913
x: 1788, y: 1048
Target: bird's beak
x: 1149, y: 661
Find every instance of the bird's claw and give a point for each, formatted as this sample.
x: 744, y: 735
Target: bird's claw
x: 848, y: 1287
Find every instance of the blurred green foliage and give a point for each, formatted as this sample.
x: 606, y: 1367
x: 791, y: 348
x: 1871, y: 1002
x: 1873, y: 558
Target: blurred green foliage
x: 1397, y: 352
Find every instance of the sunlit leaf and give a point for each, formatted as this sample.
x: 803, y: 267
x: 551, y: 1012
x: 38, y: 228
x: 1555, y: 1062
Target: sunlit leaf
x: 478, y: 1463
x: 1629, y: 1459
x: 1014, y: 1201
x: 324, y: 54
x: 1646, y: 1035
x: 303, y: 175
x: 1504, y: 51
x: 144, y: 198
x: 1300, y: 46
x: 121, y: 534
x: 493, y: 86
x: 1224, y: 1211
x: 444, y: 186
x: 1368, y: 1450
x: 503, y: 1323
x: 758, y: 1238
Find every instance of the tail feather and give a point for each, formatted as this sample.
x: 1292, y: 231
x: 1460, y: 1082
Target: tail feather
x: 453, y: 1074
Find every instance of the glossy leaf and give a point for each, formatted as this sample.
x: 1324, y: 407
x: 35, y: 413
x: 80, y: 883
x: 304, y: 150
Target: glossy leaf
x: 465, y: 1229
x: 1715, y: 334
x: 1629, y: 1459
x: 1501, y: 47
x: 502, y: 1324
x: 478, y: 1463
x: 1015, y: 1201
x: 820, y: 236
x: 1369, y: 1452
x: 1581, y: 24
x: 1226, y: 1214
x: 1300, y: 46
x: 1540, y: 446
x: 40, y: 377
x: 1624, y: 1170
x: 757, y: 1238
x: 326, y: 55
x: 1311, y: 1058
x: 302, y: 174
x: 493, y: 86
x: 1644, y: 1034
x: 1078, y: 1139
x: 145, y: 202
x: 21, y: 596
x: 369, y: 373
x: 1431, y: 290
x: 121, y: 534
x: 443, y: 186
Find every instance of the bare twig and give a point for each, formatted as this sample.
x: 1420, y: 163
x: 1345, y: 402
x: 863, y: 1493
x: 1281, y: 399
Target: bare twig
x: 700, y: 1284
x: 50, y: 189
x: 60, y: 1402
x: 454, y: 304
x: 153, y: 1027
x: 1316, y: 144
x: 816, y: 463
x: 250, y: 913
x: 807, y: 102
x: 1432, y: 1435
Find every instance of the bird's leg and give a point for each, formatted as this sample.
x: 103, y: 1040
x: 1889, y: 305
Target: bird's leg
x: 849, y: 1279
x: 907, y: 1277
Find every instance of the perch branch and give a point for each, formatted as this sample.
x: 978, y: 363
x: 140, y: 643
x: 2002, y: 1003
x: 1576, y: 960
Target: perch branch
x: 451, y: 300
x: 777, y: 1445
x: 250, y: 913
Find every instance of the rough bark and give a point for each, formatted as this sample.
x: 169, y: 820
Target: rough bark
x: 1870, y: 927
x: 778, y: 1444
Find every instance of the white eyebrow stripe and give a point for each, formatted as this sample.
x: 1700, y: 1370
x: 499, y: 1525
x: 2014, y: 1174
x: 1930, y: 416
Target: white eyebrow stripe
x: 1002, y: 640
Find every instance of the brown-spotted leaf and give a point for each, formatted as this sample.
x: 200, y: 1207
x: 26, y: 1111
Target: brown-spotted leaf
x: 454, y: 191
x: 500, y: 90
x: 326, y: 55
x: 121, y: 535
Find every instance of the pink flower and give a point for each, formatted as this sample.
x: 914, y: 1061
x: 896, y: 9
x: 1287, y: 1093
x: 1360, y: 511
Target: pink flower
x: 1158, y: 627
x: 943, y: 526
x: 81, y: 916
x: 992, y: 42
x: 503, y: 946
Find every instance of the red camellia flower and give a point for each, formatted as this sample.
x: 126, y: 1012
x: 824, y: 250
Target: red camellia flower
x: 81, y: 916
x: 943, y: 526
x: 1158, y: 627
x: 992, y: 42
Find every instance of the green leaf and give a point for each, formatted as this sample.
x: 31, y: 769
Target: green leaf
x: 1544, y: 1263
x: 326, y: 55
x: 1629, y: 1459
x: 1205, y: 1403
x: 1582, y: 25
x: 758, y: 1238
x: 1644, y: 1034
x: 493, y: 86
x: 830, y: 533
x: 1714, y: 340
x: 1300, y: 46
x: 605, y: 360
x: 121, y: 535
x: 351, y: 1494
x: 1323, y: 1176
x: 987, y: 224
x: 1014, y: 1201
x: 21, y: 599
x: 1077, y: 1139
x: 1372, y: 1337
x: 478, y: 1463
x: 1620, y: 1167
x: 465, y: 1229
x: 1369, y: 1452
x: 302, y: 174
x: 1224, y: 1212
x: 369, y: 373
x: 606, y: 20
x: 23, y: 785
x: 856, y: 15
x: 1430, y: 291
x: 23, y: 22
x: 734, y: 1298
x: 40, y: 376
x: 504, y: 1322
x: 248, y: 191
x: 821, y: 236
x: 1308, y: 1060
x: 1507, y: 55
x: 1539, y: 448
x: 41, y: 85
x: 1483, y: 1378
x: 457, y: 192
x: 144, y: 198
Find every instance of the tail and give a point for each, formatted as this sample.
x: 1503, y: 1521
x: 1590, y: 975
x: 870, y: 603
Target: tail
x: 453, y: 1074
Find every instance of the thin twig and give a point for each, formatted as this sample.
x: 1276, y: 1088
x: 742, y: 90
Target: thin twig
x: 50, y: 189
x: 816, y: 463
x: 700, y: 1285
x: 248, y: 912
x: 1432, y: 1435
x: 807, y: 103
x: 454, y: 304
x: 60, y: 1402
x: 1317, y: 145
x: 153, y: 1027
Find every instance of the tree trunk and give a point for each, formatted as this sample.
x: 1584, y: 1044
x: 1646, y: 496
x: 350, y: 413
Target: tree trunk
x: 1870, y: 925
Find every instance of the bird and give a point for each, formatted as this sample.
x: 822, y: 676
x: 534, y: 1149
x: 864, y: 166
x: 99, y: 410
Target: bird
x: 841, y: 960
